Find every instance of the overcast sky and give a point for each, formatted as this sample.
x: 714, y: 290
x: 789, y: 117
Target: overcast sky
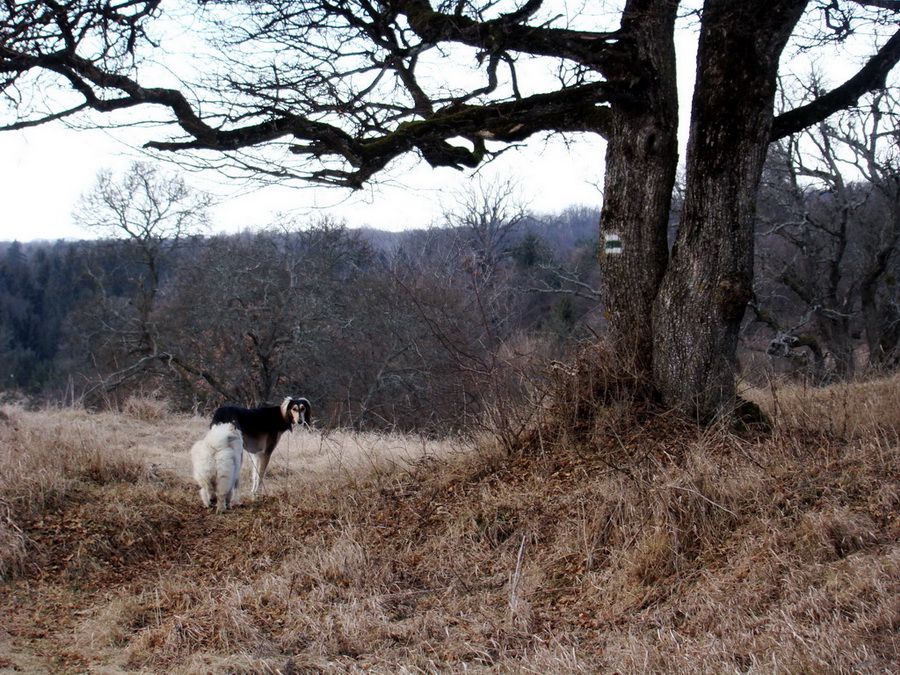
x: 44, y: 170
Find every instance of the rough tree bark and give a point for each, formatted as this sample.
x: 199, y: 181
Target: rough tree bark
x: 641, y: 161
x: 709, y: 279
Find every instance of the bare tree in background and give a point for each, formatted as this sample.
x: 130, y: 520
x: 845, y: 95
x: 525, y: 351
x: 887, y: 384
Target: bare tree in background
x: 832, y: 240
x: 147, y: 215
x: 487, y: 217
x: 871, y: 137
x: 153, y: 212
x: 467, y: 288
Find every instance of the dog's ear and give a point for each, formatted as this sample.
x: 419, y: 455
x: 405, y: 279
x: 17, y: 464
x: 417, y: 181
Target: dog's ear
x: 287, y: 409
x: 305, y: 411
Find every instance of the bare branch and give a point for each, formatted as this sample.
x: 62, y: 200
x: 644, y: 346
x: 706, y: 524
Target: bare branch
x: 870, y: 77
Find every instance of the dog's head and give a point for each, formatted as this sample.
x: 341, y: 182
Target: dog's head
x: 296, y: 411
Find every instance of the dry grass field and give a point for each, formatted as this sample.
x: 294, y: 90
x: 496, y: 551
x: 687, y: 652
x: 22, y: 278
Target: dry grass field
x: 643, y: 545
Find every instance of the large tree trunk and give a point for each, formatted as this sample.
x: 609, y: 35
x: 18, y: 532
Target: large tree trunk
x: 880, y: 319
x: 709, y: 278
x: 835, y: 325
x: 641, y: 161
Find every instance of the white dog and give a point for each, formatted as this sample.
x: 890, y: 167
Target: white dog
x: 217, y: 465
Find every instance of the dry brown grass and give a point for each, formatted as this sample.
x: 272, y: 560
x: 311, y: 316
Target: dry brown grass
x: 638, y: 544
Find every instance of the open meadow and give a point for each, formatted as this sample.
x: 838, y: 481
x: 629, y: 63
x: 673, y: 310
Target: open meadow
x: 639, y: 544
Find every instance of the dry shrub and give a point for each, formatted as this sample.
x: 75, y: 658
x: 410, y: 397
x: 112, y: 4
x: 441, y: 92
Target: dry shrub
x: 836, y: 532
x: 13, y: 542
x: 187, y: 620
x: 111, y: 624
x: 762, y: 612
x: 690, y: 514
x: 514, y: 391
x: 353, y: 456
x: 572, y: 406
x: 67, y: 473
x: 147, y: 408
x: 47, y: 454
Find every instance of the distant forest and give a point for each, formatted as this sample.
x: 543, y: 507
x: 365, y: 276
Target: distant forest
x: 377, y: 328
x: 426, y: 330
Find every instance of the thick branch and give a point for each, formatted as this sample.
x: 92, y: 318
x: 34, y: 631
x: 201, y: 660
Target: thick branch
x: 871, y: 77
x: 507, y: 33
x: 572, y: 110
x: 368, y: 147
x: 892, y: 5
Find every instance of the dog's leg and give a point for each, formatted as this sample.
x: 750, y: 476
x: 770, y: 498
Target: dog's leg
x: 204, y: 470
x: 204, y: 497
x: 260, y: 461
x: 221, y: 503
x: 254, y: 472
x: 236, y: 493
x: 224, y: 483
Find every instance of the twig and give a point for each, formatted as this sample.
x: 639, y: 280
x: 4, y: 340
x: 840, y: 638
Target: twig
x: 704, y: 498
x: 514, y: 585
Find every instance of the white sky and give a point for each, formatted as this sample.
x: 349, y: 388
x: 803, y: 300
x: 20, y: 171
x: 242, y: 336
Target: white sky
x: 44, y: 170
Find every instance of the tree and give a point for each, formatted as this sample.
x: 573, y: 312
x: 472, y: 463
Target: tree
x: 258, y: 315
x: 334, y: 90
x: 39, y: 283
x: 864, y: 140
x: 148, y: 215
x: 808, y: 282
x: 152, y: 211
x: 832, y: 236
x: 487, y: 218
